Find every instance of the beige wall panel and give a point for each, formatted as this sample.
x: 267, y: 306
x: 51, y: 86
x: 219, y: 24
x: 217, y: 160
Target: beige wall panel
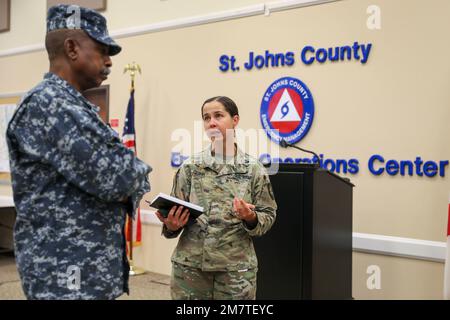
x: 27, y: 25
x: 396, y: 106
x: 400, y: 278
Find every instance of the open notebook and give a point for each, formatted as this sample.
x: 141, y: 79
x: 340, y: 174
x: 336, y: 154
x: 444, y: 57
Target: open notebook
x: 164, y: 203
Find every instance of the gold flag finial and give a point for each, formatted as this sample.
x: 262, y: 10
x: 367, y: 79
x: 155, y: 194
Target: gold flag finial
x: 132, y: 68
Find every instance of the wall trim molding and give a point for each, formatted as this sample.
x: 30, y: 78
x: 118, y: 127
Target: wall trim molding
x: 149, y: 217
x: 371, y: 243
x: 248, y: 11
x: 400, y: 247
x: 6, y: 201
x: 190, y: 21
x: 275, y: 6
x: 11, y: 95
x: 22, y: 50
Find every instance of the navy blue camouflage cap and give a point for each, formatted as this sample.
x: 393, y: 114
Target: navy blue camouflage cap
x: 75, y: 17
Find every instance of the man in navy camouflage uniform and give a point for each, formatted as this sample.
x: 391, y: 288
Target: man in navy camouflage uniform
x: 73, y: 179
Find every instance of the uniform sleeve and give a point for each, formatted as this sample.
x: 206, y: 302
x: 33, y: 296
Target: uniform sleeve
x: 264, y: 201
x: 83, y: 150
x: 180, y: 189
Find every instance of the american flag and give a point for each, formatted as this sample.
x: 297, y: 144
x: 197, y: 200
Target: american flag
x: 129, y: 134
x: 129, y: 139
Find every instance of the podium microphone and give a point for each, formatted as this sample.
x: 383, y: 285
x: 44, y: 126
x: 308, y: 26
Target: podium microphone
x: 285, y: 144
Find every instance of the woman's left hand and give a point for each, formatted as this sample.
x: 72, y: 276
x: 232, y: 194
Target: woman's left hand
x: 244, y: 211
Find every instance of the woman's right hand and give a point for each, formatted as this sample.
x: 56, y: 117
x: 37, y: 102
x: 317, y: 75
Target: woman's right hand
x: 176, y: 219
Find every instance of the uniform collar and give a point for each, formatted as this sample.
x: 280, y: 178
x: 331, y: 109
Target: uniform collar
x: 51, y: 77
x: 239, y: 164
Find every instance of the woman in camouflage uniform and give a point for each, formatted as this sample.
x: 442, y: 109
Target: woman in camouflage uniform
x: 215, y: 257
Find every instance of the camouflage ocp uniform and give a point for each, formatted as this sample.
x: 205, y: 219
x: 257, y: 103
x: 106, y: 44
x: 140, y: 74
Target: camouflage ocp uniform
x: 70, y: 174
x: 217, y: 250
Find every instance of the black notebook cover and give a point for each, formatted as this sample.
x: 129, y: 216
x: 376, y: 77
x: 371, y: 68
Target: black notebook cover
x: 164, y: 203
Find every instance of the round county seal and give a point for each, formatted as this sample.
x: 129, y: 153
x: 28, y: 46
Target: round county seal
x: 287, y: 110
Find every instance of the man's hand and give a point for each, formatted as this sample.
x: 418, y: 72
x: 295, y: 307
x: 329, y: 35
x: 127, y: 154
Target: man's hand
x: 245, y: 211
x: 176, y: 219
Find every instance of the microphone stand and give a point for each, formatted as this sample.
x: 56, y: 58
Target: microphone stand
x: 285, y: 144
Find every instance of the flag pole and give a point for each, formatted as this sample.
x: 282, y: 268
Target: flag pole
x: 132, y: 68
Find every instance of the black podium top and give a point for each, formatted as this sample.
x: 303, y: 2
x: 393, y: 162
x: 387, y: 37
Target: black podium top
x: 302, y: 167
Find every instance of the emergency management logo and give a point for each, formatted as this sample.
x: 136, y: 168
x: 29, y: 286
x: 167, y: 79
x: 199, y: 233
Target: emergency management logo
x: 287, y: 110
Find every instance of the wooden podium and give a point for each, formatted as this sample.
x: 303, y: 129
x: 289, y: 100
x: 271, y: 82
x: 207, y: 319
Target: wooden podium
x: 308, y: 252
